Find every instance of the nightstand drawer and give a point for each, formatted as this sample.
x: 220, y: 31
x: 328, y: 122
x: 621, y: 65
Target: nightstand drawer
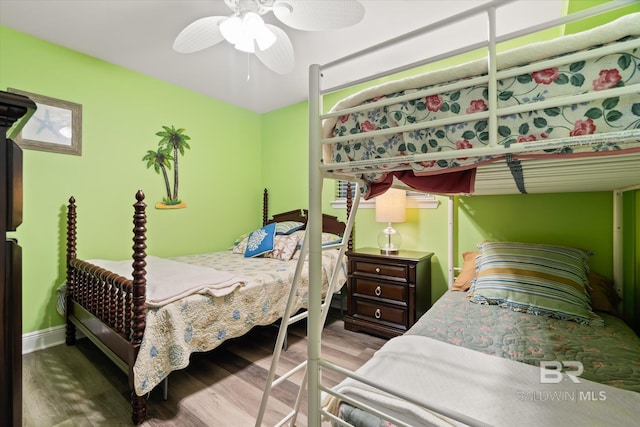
x: 382, y: 270
x: 371, y: 288
x: 386, y: 294
x: 380, y: 312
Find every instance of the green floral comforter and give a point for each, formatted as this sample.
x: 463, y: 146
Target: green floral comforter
x: 610, y: 354
x: 609, y: 113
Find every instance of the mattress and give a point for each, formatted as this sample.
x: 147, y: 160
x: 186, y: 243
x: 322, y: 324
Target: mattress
x: 610, y: 354
x: 537, y: 104
x: 199, y: 323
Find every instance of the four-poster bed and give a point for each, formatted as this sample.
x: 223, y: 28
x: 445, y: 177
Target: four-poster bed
x: 466, y: 130
x: 111, y: 302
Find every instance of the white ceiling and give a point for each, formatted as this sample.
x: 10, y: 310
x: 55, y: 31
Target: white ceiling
x: 139, y: 34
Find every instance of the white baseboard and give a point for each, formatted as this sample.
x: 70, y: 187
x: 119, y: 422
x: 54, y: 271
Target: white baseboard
x: 45, y: 338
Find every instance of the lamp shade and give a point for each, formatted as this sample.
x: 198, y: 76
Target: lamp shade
x: 391, y: 206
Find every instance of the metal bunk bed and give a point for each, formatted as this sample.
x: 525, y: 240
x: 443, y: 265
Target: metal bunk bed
x: 487, y: 174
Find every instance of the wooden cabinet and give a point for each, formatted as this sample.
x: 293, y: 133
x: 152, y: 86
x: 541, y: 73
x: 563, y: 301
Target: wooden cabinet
x: 386, y: 294
x: 15, y: 110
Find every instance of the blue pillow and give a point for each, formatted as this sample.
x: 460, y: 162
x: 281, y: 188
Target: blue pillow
x: 288, y: 227
x: 260, y: 241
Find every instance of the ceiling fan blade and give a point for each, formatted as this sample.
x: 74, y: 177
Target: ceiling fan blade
x: 199, y: 35
x: 279, y: 57
x: 318, y: 15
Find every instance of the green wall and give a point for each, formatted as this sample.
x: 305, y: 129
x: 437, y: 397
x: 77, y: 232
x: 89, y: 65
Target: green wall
x: 632, y: 281
x: 577, y: 219
x: 631, y: 200
x: 552, y: 218
x: 122, y: 111
x: 285, y: 162
x: 584, y: 24
x: 631, y: 264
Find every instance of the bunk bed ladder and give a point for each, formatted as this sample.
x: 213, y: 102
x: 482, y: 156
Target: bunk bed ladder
x: 284, y: 324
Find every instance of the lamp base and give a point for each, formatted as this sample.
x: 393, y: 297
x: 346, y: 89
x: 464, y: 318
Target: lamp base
x: 389, y: 241
x: 389, y: 251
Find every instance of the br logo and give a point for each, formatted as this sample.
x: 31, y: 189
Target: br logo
x: 551, y: 371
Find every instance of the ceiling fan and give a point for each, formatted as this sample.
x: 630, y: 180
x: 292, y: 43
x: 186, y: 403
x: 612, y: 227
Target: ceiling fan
x: 246, y: 30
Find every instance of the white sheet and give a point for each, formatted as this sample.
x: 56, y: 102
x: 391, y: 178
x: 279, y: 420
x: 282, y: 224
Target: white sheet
x: 492, y: 390
x: 169, y: 280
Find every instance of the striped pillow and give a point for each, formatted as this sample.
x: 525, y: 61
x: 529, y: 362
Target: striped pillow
x: 288, y: 227
x: 533, y: 278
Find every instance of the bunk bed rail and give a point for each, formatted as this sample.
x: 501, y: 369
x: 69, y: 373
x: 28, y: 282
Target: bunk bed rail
x: 437, y: 122
x: 478, y: 10
x: 319, y: 168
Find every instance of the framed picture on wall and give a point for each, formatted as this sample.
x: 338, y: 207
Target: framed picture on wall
x: 56, y: 126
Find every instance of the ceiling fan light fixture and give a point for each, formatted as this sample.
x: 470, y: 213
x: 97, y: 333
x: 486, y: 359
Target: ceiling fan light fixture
x: 245, y: 44
x: 254, y: 26
x: 246, y: 32
x: 265, y: 38
x: 231, y: 29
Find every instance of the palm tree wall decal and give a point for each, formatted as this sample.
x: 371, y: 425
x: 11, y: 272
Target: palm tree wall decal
x: 161, y: 161
x: 172, y: 141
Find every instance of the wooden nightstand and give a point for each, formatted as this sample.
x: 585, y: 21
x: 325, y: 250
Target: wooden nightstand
x: 386, y: 294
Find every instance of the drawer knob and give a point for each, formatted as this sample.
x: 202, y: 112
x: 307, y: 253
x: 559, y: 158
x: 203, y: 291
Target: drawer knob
x: 377, y: 314
x: 377, y: 291
x: 378, y: 270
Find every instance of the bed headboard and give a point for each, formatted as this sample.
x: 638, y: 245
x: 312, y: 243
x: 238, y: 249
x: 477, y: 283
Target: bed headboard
x: 294, y: 215
x: 330, y: 224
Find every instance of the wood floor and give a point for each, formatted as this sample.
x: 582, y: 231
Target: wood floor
x: 78, y: 386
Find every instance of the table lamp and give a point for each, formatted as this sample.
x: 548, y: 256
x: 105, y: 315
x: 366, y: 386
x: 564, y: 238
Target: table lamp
x: 390, y: 208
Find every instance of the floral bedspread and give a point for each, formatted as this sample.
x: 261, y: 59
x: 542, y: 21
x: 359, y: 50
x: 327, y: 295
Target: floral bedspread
x: 200, y: 323
x: 604, y: 115
x: 610, y: 354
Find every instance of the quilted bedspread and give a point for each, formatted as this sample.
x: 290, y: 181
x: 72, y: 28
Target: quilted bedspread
x: 536, y: 126
x: 610, y: 354
x: 199, y: 323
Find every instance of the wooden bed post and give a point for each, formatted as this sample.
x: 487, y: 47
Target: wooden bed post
x: 70, y: 338
x: 349, y: 205
x: 138, y: 403
x: 265, y: 207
